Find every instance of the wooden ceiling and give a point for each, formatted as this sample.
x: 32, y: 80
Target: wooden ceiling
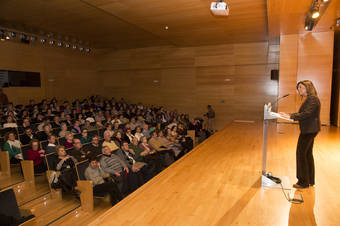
x: 123, y: 24
x: 132, y: 23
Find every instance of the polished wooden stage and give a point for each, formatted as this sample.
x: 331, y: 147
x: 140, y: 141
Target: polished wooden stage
x: 218, y: 183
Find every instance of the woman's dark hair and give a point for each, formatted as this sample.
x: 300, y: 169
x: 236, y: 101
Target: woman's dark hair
x: 311, y: 91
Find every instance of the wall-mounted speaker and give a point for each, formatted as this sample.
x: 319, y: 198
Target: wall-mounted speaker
x: 274, y: 75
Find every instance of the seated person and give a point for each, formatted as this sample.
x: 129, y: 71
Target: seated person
x: 95, y: 173
x: 46, y: 133
x: 128, y: 135
x: 77, y: 151
x: 116, y: 128
x: 36, y: 154
x: 52, y: 144
x: 109, y: 129
x: 138, y: 133
x: 176, y: 147
x: 56, y: 122
x: 146, y: 131
x: 13, y: 147
x: 116, y: 167
x: 95, y: 148
x: 27, y: 137
x: 10, y: 123
x: 63, y: 130
x: 143, y: 171
x: 109, y: 143
x: 84, y: 137
x: 76, y: 127
x: 69, y: 140
x: 117, y: 138
x: 67, y: 179
x: 88, y: 126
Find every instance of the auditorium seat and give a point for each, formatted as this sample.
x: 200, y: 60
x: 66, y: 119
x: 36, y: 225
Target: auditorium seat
x: 10, y: 213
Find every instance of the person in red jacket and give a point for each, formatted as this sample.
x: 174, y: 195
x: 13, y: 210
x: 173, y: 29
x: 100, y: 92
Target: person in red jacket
x: 36, y: 154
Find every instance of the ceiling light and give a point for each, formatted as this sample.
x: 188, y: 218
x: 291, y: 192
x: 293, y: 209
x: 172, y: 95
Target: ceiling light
x: 81, y: 49
x: 337, y: 22
x: 309, y: 24
x: 325, y: 0
x: 315, y: 11
x: 88, y: 50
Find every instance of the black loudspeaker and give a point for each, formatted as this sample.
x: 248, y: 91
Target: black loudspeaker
x: 274, y: 75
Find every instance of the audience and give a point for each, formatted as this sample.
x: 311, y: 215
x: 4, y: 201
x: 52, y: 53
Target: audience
x: 52, y: 144
x: 96, y: 174
x: 36, y: 154
x: 13, y: 147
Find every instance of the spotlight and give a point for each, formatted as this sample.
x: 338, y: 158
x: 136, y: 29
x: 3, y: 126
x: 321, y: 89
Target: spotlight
x: 43, y: 40
x: 60, y: 44
x: 309, y: 24
x: 52, y: 42
x: 67, y: 45
x: 315, y: 11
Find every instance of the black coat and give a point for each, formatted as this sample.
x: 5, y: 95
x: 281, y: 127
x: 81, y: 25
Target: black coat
x: 309, y: 115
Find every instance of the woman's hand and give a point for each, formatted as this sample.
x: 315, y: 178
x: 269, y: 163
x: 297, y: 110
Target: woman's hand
x: 285, y: 115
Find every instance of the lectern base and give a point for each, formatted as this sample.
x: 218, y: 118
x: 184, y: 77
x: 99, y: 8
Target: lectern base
x: 267, y: 182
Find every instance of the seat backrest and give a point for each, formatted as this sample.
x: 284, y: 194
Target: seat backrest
x: 24, y: 150
x: 62, y: 141
x: 80, y: 168
x: 43, y: 144
x: 77, y: 135
x: 51, y: 160
x: 92, y: 133
x: 6, y: 130
x: 101, y: 132
x: 8, y: 204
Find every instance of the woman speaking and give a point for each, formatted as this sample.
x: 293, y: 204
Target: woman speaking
x: 309, y: 122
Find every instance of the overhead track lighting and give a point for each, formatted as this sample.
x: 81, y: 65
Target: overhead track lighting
x: 309, y: 24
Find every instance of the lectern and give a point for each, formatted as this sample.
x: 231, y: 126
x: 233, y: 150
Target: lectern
x: 267, y: 179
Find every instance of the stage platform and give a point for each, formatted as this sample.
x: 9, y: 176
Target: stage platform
x: 218, y: 183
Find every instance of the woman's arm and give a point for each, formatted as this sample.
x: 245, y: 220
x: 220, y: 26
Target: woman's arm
x: 311, y: 105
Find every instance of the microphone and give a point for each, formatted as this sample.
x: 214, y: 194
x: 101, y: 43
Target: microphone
x: 284, y: 96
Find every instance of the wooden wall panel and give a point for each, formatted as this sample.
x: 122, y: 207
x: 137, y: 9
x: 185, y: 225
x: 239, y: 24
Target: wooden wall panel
x: 307, y: 56
x: 72, y: 71
x: 234, y: 79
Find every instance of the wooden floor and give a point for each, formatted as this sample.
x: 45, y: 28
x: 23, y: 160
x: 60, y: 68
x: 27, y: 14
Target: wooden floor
x: 218, y: 183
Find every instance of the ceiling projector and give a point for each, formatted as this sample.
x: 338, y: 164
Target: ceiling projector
x: 219, y: 8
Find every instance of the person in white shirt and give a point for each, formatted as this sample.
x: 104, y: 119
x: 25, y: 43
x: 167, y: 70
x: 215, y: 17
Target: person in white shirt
x: 10, y: 123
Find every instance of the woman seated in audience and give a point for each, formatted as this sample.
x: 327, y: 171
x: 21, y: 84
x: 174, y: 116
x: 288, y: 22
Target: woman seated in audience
x: 69, y: 140
x: 81, y: 119
x: 76, y: 127
x: 52, y: 144
x: 184, y: 139
x: 145, y: 146
x: 117, y: 138
x: 63, y: 130
x: 62, y: 116
x: 176, y: 147
x: 10, y: 123
x: 36, y: 154
x: 67, y: 179
x: 102, y: 184
x: 138, y: 133
x: 99, y: 123
x: 85, y: 138
x: 128, y: 136
x: 13, y: 147
x: 109, y: 129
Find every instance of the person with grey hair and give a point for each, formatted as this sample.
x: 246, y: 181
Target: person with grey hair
x: 116, y: 167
